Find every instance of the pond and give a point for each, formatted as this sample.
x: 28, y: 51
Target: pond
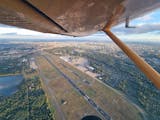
x: 9, y: 84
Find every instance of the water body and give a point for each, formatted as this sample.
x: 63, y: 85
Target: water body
x: 9, y: 84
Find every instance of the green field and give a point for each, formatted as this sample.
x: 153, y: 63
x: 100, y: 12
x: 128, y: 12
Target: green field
x: 119, y: 72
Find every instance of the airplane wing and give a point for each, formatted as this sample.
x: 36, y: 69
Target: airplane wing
x: 79, y: 18
x: 72, y: 17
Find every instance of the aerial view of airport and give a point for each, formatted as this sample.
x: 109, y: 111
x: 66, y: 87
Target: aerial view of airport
x: 80, y: 60
x: 70, y: 80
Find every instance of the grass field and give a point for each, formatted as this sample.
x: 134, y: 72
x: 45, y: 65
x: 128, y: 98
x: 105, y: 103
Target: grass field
x: 110, y: 100
x: 71, y: 103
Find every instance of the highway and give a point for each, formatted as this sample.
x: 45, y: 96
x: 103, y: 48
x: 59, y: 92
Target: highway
x: 87, y: 98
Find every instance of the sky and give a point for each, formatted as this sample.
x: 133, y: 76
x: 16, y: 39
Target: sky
x: 147, y: 29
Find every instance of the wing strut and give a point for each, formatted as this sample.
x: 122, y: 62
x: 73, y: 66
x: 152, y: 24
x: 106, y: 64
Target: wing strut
x: 152, y: 74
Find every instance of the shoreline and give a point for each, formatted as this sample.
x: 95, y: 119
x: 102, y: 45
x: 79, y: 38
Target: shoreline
x: 6, y: 75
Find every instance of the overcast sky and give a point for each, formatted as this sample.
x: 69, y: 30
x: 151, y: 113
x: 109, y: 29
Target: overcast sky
x: 147, y: 29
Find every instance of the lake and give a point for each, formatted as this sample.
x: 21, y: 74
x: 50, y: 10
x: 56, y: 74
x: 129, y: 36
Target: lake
x: 9, y: 84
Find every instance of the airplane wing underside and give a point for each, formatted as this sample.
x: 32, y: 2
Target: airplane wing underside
x: 72, y: 17
x: 79, y: 18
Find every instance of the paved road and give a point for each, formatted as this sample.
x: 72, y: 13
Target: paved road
x: 87, y: 98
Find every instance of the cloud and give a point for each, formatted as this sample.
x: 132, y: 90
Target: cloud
x: 146, y: 18
x: 144, y: 28
x: 3, y: 25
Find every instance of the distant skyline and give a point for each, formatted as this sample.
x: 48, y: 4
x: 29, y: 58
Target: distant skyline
x: 147, y: 29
